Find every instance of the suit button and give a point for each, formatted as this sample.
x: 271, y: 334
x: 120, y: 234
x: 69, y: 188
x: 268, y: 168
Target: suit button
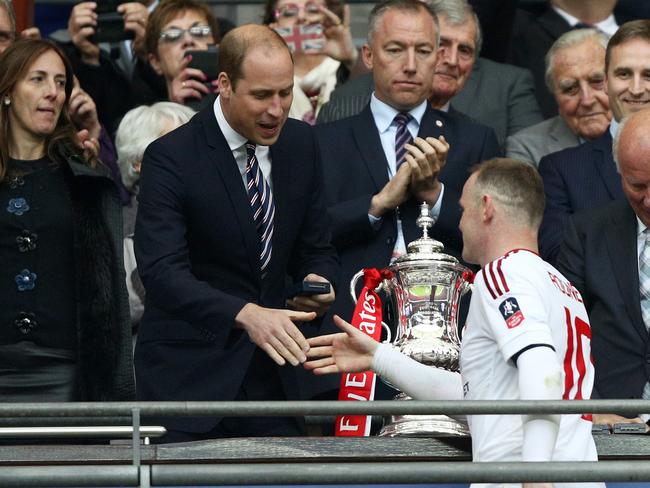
x: 390, y: 241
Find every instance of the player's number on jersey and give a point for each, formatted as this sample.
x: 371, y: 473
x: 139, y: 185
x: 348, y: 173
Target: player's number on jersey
x: 577, y: 359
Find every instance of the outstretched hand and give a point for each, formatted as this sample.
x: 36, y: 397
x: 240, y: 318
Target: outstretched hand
x: 350, y: 351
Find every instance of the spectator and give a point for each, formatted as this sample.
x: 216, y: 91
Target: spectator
x: 8, y: 26
x: 585, y: 176
x: 174, y: 28
x: 116, y: 75
x: 63, y: 298
x: 497, y: 95
x: 534, y: 35
x: 575, y: 74
x: 139, y: 128
x: 316, y: 71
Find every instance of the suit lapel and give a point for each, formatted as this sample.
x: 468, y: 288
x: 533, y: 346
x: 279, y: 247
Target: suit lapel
x: 366, y: 135
x: 604, y: 162
x: 622, y: 248
x: 561, y: 132
x: 233, y: 185
x: 553, y: 23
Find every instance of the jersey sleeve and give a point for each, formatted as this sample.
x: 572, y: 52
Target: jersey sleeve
x: 514, y: 310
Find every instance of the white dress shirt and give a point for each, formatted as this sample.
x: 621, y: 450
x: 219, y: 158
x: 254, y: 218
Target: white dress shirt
x: 237, y: 142
x: 607, y: 26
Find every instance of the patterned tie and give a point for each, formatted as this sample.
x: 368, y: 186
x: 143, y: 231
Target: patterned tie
x: 644, y: 279
x: 402, y: 137
x: 262, y: 206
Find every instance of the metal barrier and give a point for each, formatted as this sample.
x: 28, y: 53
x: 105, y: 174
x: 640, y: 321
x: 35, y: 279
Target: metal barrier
x: 153, y: 471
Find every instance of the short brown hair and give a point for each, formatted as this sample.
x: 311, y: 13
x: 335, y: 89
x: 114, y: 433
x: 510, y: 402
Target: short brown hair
x: 335, y: 6
x: 514, y: 184
x: 14, y: 63
x: 168, y: 10
x: 636, y: 29
x: 236, y: 44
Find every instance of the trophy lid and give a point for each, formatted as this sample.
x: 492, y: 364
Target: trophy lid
x: 425, y: 248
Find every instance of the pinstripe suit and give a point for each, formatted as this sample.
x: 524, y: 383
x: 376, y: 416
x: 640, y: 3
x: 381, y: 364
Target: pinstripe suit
x: 574, y: 179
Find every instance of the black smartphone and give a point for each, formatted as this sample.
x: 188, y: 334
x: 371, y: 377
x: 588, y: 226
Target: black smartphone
x: 110, y: 28
x: 207, y: 61
x: 307, y: 288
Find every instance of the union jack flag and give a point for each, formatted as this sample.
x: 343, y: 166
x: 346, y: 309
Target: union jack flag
x: 301, y: 38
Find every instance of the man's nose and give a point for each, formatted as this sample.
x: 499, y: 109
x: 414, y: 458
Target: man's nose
x: 449, y: 55
x: 637, y: 85
x: 275, y: 106
x: 410, y: 65
x: 587, y: 97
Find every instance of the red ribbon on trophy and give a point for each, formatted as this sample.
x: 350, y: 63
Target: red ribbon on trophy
x: 361, y: 386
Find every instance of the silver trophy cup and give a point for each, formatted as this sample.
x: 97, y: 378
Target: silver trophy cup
x: 425, y: 292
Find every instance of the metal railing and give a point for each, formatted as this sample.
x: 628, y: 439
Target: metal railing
x: 145, y: 474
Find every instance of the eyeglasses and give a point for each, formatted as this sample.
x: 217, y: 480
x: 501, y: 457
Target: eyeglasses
x: 291, y: 10
x: 7, y: 36
x: 175, y: 34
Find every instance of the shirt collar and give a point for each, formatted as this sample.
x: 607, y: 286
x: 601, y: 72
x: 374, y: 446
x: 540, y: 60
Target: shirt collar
x: 384, y: 113
x: 640, y: 227
x: 234, y: 139
x: 608, y: 26
x: 613, y: 127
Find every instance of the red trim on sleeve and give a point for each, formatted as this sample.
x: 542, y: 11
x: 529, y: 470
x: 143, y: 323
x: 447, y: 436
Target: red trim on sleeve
x: 487, y: 284
x: 503, y: 278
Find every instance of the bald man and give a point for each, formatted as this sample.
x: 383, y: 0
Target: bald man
x: 606, y: 255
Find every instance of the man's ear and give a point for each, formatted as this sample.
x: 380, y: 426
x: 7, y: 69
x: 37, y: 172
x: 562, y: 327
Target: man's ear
x: 366, y: 55
x: 225, y: 85
x: 487, y: 208
x: 154, y: 62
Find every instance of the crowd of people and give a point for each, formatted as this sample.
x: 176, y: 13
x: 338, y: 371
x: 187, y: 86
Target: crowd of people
x: 157, y: 212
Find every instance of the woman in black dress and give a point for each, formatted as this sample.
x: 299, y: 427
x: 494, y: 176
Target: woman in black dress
x: 64, y: 327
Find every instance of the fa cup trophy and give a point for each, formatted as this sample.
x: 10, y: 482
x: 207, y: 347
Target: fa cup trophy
x: 425, y: 291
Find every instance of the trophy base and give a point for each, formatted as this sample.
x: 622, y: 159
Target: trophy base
x: 422, y: 425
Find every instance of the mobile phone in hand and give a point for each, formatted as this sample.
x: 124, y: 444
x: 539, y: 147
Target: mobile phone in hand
x: 206, y: 61
x: 308, y: 288
x: 302, y: 38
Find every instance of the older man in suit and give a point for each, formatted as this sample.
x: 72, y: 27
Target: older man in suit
x: 497, y: 95
x: 375, y: 178
x: 585, y: 176
x: 231, y: 203
x: 575, y: 74
x: 606, y: 255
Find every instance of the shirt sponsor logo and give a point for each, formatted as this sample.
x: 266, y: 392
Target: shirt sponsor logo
x: 511, y: 312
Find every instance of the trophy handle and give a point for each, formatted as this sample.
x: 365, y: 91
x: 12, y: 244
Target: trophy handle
x: 353, y: 293
x: 353, y: 286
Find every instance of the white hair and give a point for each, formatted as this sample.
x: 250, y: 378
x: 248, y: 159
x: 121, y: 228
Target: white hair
x: 139, y: 128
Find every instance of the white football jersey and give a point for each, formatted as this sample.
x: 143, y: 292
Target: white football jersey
x: 519, y: 301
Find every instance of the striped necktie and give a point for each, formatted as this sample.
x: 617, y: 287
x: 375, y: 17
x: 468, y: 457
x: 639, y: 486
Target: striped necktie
x: 644, y: 279
x: 262, y: 206
x: 402, y: 137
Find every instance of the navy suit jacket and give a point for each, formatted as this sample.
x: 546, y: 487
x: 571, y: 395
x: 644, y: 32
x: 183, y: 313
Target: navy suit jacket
x: 576, y: 178
x: 599, y: 256
x: 356, y: 168
x: 198, y: 255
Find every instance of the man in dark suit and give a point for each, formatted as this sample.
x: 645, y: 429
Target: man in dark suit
x: 535, y: 33
x: 365, y: 178
x: 606, y: 255
x: 497, y: 95
x: 585, y: 176
x: 230, y: 204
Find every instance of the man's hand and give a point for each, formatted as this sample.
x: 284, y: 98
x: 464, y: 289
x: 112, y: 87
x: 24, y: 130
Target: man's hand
x: 610, y: 419
x: 82, y: 25
x: 393, y: 194
x: 83, y: 111
x: 275, y: 333
x: 338, y: 38
x: 319, y: 303
x: 31, y: 33
x: 135, y: 17
x: 189, y: 83
x: 90, y: 145
x: 426, y: 158
x: 348, y: 352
